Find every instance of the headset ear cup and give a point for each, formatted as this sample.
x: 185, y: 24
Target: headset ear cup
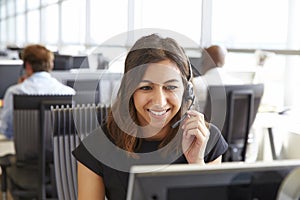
x: 189, y: 92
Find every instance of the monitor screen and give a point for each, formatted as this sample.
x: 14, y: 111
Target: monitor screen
x: 63, y: 62
x: 80, y: 62
x: 9, y: 75
x: 228, y: 181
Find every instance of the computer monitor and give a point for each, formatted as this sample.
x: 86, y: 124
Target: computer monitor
x: 233, y: 108
x: 9, y: 75
x: 63, y: 62
x: 196, y: 63
x: 228, y: 181
x: 80, y: 62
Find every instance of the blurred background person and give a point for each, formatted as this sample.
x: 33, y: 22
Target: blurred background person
x: 38, y: 62
x: 212, y: 72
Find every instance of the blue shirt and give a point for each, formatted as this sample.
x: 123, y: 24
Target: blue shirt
x: 39, y: 83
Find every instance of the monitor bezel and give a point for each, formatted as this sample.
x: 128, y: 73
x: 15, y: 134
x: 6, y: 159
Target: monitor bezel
x: 225, y: 172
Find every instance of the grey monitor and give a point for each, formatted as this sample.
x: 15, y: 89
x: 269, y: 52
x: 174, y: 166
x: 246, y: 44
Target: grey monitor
x: 228, y: 181
x: 9, y: 74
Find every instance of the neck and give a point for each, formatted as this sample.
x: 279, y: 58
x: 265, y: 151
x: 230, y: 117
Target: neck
x: 155, y: 134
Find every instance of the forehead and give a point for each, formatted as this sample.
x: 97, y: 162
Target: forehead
x: 162, y: 71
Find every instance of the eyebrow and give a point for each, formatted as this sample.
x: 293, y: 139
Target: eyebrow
x: 168, y: 81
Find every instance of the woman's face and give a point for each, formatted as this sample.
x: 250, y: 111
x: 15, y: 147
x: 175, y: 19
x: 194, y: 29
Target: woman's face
x: 158, y: 96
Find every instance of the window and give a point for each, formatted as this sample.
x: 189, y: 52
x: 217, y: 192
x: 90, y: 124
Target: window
x: 2, y: 10
x: 183, y: 17
x: 10, y: 8
x: 20, y: 29
x: 50, y: 24
x: 73, y: 21
x: 20, y: 6
x: 3, y: 33
x: 267, y: 24
x: 33, y: 26
x: 46, y: 2
x: 11, y: 31
x: 107, y: 19
x: 251, y: 24
x: 33, y: 4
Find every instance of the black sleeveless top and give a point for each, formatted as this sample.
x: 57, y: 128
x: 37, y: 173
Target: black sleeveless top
x: 99, y: 155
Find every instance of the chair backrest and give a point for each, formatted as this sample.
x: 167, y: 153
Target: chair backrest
x: 70, y: 126
x: 94, y: 88
x: 232, y: 108
x: 87, y: 90
x: 28, y: 125
x: 32, y: 132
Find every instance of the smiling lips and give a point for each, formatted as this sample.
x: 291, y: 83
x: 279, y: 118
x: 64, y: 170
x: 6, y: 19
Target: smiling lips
x: 158, y: 114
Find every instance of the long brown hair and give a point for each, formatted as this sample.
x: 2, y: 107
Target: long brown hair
x: 122, y: 119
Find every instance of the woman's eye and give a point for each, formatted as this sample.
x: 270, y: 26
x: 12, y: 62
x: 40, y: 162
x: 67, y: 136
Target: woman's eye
x: 145, y: 88
x: 171, y: 87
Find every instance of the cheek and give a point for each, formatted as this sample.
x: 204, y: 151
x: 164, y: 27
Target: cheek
x: 176, y: 99
x: 139, y: 100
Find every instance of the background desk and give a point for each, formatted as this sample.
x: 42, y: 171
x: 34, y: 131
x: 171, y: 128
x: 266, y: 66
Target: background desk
x: 281, y: 127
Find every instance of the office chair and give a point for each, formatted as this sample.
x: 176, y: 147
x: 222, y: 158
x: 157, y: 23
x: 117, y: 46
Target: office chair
x: 29, y: 173
x: 87, y: 90
x: 232, y: 108
x: 95, y: 90
x: 70, y: 126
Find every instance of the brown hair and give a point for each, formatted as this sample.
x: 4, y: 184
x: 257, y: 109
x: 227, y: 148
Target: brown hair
x: 148, y: 49
x: 39, y: 57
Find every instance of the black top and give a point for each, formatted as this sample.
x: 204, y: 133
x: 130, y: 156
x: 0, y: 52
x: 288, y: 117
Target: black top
x: 98, y: 154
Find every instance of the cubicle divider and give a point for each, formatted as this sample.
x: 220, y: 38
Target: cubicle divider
x: 29, y: 170
x: 98, y: 86
x: 10, y: 71
x: 70, y: 126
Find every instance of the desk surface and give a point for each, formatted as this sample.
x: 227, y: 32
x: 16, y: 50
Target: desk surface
x: 6, y: 146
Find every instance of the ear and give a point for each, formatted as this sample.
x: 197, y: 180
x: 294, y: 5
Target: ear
x: 28, y: 69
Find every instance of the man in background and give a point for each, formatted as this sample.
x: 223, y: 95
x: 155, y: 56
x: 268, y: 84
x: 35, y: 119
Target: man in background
x: 213, y: 72
x: 38, y: 62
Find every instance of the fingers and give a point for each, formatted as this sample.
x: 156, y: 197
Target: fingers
x: 195, y: 121
x: 195, y: 137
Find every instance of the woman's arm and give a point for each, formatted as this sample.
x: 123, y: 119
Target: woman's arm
x: 90, y: 185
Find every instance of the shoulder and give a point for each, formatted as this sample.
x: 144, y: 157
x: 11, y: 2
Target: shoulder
x: 215, y: 132
x: 216, y: 145
x: 63, y: 88
x: 14, y: 89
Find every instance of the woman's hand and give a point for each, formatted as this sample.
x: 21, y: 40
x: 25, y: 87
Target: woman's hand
x: 195, y: 137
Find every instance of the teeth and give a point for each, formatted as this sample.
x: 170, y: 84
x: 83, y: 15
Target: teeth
x: 158, y: 113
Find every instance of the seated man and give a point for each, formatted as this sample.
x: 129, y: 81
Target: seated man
x: 38, y: 62
x: 213, y: 73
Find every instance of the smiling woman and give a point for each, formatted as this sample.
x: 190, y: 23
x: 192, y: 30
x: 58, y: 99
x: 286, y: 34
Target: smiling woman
x: 155, y: 93
x: 157, y: 98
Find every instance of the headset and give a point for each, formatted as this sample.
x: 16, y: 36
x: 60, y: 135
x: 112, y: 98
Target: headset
x: 188, y: 95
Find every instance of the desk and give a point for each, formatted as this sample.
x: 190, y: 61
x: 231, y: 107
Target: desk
x: 269, y: 130
x: 6, y: 146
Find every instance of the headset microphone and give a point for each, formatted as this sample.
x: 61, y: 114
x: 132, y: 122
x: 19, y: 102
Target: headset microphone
x: 188, y: 95
x: 183, y: 116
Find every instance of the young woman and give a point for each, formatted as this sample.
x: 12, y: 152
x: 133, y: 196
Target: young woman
x: 151, y: 122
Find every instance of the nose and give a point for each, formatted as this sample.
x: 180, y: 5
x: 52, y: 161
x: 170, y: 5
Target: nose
x: 159, y: 97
